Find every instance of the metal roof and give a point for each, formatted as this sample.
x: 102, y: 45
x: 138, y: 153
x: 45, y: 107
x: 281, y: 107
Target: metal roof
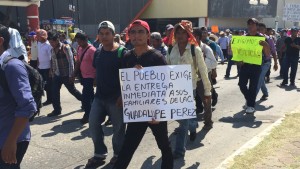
x: 21, y: 3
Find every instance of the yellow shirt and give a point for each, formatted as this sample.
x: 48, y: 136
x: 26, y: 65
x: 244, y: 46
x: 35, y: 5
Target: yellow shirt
x: 174, y: 58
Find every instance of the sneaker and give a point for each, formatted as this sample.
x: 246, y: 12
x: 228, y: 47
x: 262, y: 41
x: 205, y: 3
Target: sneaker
x: 193, y: 136
x: 264, y: 97
x: 207, y: 126
x: 47, y: 103
x: 214, y: 101
x: 250, y: 110
x: 283, y: 84
x: 53, y: 113
x: 113, y: 160
x: 245, y: 106
x: 84, y: 120
x: 107, y: 123
x: 292, y: 85
x: 95, y: 162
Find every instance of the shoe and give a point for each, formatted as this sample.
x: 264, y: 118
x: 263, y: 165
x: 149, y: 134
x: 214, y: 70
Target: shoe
x: 207, y: 126
x: 84, y: 120
x: 268, y: 79
x: 292, y: 85
x: 113, y: 160
x: 95, y: 162
x: 193, y: 136
x: 283, y: 84
x: 53, y: 113
x: 108, y: 123
x: 250, y: 110
x: 47, y: 103
x: 214, y: 101
x: 245, y: 106
x: 177, y: 155
x: 264, y: 97
x: 226, y: 76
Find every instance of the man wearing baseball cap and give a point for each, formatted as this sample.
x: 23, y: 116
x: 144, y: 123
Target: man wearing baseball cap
x: 143, y: 56
x: 33, y: 49
x: 107, y: 100
x: 292, y: 46
x: 44, y: 63
x: 250, y: 73
x: 169, y: 29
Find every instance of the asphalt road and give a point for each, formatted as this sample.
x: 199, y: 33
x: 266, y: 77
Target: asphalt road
x: 63, y: 143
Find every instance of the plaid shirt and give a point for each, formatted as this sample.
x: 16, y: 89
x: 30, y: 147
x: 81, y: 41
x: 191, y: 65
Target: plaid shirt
x: 62, y: 63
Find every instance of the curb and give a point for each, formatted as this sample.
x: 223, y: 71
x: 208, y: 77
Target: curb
x: 228, y: 162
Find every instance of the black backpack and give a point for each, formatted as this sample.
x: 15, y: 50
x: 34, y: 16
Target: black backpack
x: 35, y: 80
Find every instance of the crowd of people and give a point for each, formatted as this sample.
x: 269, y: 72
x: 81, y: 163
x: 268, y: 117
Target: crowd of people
x: 61, y: 61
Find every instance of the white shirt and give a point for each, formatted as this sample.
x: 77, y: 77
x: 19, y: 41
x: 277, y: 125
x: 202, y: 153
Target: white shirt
x: 197, y: 63
x: 16, y: 45
x: 3, y: 56
x: 44, y: 55
x: 224, y: 42
x: 34, y: 50
x: 209, y: 58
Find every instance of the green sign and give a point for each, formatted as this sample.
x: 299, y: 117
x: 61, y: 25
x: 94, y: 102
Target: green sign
x: 247, y: 49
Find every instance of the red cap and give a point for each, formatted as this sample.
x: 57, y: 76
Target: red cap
x: 141, y: 23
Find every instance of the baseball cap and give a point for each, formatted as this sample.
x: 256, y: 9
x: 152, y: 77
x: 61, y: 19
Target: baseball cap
x: 252, y: 20
x: 156, y: 35
x: 107, y: 24
x: 227, y: 30
x: 169, y: 27
x: 32, y: 33
x: 141, y: 23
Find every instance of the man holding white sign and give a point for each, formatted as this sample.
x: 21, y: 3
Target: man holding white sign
x: 186, y: 50
x: 143, y: 56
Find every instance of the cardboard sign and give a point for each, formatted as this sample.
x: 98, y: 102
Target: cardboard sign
x: 162, y: 93
x: 247, y: 49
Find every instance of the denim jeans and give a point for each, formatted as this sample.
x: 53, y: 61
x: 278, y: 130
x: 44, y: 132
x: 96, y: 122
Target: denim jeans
x: 290, y: 62
x: 21, y: 150
x: 249, y: 73
x: 100, y: 108
x: 47, y: 83
x: 229, y: 65
x: 134, y: 134
x: 182, y: 133
x: 261, y: 82
x: 87, y: 95
x: 56, y: 86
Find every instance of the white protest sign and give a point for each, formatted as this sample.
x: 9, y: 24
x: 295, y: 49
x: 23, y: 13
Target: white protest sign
x: 161, y: 92
x: 291, y: 12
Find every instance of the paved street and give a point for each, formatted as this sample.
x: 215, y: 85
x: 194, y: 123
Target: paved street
x: 63, y: 143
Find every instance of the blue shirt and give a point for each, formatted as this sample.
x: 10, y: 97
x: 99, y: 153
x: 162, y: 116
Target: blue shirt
x: 17, y: 102
x: 107, y: 65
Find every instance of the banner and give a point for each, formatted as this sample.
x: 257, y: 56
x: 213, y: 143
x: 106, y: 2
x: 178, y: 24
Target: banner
x: 291, y: 12
x: 247, y: 49
x: 162, y: 93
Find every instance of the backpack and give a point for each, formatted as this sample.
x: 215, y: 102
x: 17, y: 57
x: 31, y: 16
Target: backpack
x: 35, y: 80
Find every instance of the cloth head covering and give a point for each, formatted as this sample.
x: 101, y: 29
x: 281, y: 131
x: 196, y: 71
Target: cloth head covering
x: 188, y: 27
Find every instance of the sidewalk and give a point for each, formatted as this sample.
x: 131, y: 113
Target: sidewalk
x: 280, y: 149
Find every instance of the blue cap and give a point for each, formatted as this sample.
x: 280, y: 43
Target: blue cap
x: 32, y: 33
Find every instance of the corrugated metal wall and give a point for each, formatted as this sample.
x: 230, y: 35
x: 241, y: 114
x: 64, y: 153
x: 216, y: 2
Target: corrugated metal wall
x: 240, y: 9
x: 92, y: 12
